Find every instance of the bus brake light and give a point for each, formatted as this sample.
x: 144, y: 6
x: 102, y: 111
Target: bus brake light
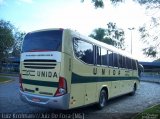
x: 62, y: 87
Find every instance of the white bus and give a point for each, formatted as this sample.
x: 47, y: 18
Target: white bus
x: 61, y: 69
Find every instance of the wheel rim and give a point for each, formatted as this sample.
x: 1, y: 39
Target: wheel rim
x: 102, y: 100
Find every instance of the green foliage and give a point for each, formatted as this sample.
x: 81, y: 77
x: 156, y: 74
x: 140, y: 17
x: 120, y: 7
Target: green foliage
x: 150, y: 36
x: 111, y: 35
x: 142, y: 2
x: 10, y: 41
x: 150, y: 113
x: 146, y: 37
x: 97, y: 3
x: 116, y: 34
x: 17, y: 43
x: 100, y: 3
x: 150, y: 51
x: 98, y: 34
x: 6, y: 38
x: 4, y: 79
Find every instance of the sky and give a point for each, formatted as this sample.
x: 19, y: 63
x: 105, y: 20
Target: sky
x: 30, y: 15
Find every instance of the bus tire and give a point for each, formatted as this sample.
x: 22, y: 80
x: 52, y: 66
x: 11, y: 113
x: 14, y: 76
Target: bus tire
x: 134, y: 90
x: 102, y: 99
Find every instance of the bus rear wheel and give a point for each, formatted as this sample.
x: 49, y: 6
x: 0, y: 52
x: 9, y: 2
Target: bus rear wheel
x: 134, y: 90
x: 102, y: 99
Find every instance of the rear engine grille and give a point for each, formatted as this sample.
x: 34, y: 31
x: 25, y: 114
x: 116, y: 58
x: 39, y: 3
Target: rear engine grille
x: 40, y: 64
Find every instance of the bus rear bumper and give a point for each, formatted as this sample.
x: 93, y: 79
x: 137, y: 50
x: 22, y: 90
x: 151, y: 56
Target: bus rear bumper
x: 60, y: 102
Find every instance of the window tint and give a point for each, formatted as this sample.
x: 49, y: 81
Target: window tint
x: 104, y: 56
x: 120, y: 61
x: 123, y: 62
x: 83, y: 50
x: 43, y: 40
x: 110, y: 56
x: 134, y: 65
x: 98, y: 55
x: 129, y: 63
x: 116, y: 58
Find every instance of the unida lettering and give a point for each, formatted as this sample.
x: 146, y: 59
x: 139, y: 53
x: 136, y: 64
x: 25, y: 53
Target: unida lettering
x: 46, y: 74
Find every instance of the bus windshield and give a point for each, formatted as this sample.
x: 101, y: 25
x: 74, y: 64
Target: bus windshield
x: 43, y: 41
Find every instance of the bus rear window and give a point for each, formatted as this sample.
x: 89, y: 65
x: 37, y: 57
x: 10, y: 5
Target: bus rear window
x: 43, y: 41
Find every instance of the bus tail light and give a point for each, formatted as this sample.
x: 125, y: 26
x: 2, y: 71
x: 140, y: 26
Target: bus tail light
x: 20, y: 82
x: 62, y: 87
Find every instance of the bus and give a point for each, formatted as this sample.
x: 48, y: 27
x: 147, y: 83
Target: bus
x: 62, y: 69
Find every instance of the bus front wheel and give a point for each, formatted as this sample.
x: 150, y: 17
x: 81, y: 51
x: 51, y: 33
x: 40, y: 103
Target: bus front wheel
x: 102, y: 99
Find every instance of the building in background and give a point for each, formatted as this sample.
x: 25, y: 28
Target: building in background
x: 10, y: 65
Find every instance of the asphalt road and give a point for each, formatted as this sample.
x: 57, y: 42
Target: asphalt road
x: 123, y: 107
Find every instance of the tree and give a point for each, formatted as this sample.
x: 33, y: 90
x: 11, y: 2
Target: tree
x: 147, y: 37
x: 111, y: 35
x: 10, y: 41
x: 18, y: 36
x: 6, y: 38
x: 150, y: 51
x: 150, y: 37
x: 116, y: 34
x: 100, y: 3
x: 99, y: 34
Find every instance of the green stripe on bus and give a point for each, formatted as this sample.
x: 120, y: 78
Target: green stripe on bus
x: 40, y: 83
x: 89, y: 79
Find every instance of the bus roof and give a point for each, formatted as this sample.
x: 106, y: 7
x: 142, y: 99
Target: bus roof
x: 46, y: 30
x: 99, y: 43
x: 91, y: 40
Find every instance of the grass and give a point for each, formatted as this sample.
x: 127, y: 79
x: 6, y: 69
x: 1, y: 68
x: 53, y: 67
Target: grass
x: 8, y: 74
x: 4, y: 79
x: 150, y: 113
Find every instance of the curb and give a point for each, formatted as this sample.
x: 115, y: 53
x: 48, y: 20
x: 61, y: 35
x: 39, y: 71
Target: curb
x: 8, y: 75
x: 151, y: 81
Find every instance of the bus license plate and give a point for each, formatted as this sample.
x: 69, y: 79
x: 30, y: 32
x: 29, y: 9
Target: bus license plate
x: 36, y: 100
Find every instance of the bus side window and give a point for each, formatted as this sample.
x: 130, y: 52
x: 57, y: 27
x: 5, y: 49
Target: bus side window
x: 116, y: 59
x: 134, y: 66
x: 124, y: 62
x: 98, y: 55
x: 110, y: 56
x: 120, y: 61
x: 104, y: 57
x: 129, y: 63
x: 83, y: 51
